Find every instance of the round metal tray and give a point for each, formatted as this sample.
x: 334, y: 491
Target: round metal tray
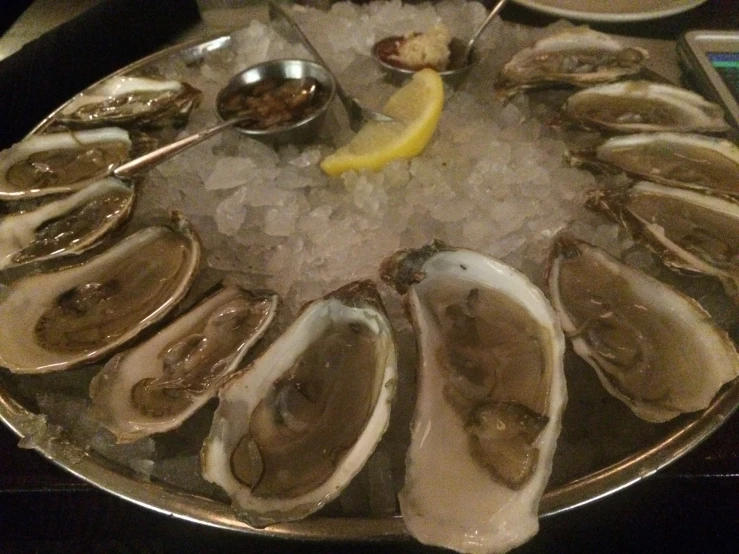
x: 674, y: 440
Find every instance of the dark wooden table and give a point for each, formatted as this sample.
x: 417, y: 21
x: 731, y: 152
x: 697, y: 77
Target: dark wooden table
x: 690, y: 506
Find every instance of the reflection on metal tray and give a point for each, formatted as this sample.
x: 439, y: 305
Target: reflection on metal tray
x: 570, y: 486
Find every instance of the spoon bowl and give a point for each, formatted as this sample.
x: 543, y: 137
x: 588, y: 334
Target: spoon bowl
x: 462, y: 54
x: 457, y: 70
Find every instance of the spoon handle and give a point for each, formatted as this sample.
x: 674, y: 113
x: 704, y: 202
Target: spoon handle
x: 481, y: 28
x: 155, y: 157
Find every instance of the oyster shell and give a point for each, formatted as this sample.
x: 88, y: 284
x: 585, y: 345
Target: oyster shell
x: 61, y: 162
x: 158, y: 384
x: 293, y: 430
x: 57, y: 320
x: 677, y: 159
x: 65, y: 227
x: 131, y: 101
x: 652, y: 347
x: 689, y: 230
x: 643, y: 106
x: 580, y: 57
x: 490, y: 400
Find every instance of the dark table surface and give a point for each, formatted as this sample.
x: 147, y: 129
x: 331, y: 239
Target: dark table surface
x: 690, y: 506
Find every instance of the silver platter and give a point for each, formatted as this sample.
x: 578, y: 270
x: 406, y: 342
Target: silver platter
x: 667, y: 442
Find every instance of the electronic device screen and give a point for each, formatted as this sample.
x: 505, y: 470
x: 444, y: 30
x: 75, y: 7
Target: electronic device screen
x: 726, y: 65
x: 710, y: 62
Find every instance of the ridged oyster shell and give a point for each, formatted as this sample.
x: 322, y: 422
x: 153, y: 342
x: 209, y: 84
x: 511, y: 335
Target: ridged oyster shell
x: 131, y: 101
x: 491, y: 393
x: 61, y: 162
x: 652, y: 347
x: 644, y: 106
x: 293, y: 429
x: 65, y: 227
x: 580, y: 57
x: 689, y: 230
x: 75, y: 315
x: 677, y: 159
x: 158, y: 384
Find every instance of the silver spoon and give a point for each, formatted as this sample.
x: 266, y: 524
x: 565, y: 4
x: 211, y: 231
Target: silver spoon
x: 155, y: 157
x: 473, y: 39
x: 309, y: 87
x: 462, y: 55
x: 356, y: 112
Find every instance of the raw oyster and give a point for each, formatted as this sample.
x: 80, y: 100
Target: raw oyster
x: 293, y: 430
x: 131, y: 101
x: 678, y: 159
x: 580, y: 57
x: 60, y: 162
x: 78, y: 314
x: 65, y: 227
x: 652, y: 347
x: 643, y: 106
x: 689, y: 230
x: 157, y: 385
x: 490, y: 400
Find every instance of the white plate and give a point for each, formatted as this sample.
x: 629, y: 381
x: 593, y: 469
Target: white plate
x: 611, y: 10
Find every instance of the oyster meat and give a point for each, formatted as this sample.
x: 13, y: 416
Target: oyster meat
x: 75, y: 315
x: 652, y: 347
x: 65, y: 227
x: 490, y: 400
x: 61, y: 162
x: 689, y: 230
x: 580, y: 57
x: 644, y: 106
x: 158, y: 384
x: 678, y: 159
x: 131, y: 101
x: 293, y: 429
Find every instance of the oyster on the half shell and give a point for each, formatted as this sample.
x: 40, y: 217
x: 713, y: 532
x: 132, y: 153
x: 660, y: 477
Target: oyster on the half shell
x: 685, y: 160
x: 61, y: 162
x: 580, y: 57
x: 652, y: 347
x: 689, y: 230
x: 60, y: 319
x: 293, y: 429
x: 490, y: 399
x: 644, y: 106
x: 65, y: 227
x: 158, y: 384
x: 131, y: 101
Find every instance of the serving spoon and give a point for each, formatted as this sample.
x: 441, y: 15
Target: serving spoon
x: 358, y: 114
x: 462, y: 54
x: 155, y: 157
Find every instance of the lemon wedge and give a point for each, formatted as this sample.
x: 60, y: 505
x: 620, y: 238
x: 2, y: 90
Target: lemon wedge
x: 416, y: 107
